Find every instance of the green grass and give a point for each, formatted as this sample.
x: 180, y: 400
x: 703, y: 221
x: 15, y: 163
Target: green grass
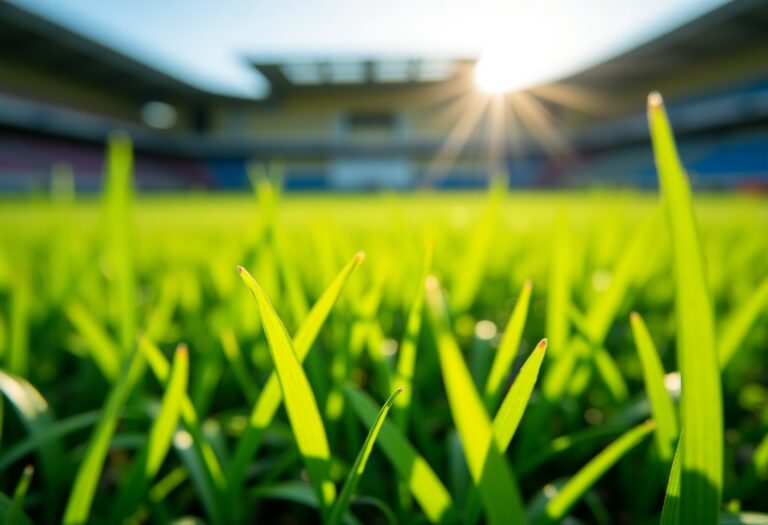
x: 143, y: 382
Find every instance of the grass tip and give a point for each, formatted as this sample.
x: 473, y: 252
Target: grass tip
x: 240, y: 269
x: 543, y: 344
x: 400, y: 389
x: 634, y: 317
x: 432, y: 283
x: 360, y: 256
x: 29, y: 470
x: 528, y: 284
x: 182, y: 349
x: 655, y: 100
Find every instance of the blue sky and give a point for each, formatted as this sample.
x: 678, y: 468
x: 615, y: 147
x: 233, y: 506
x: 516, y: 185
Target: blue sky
x: 206, y: 42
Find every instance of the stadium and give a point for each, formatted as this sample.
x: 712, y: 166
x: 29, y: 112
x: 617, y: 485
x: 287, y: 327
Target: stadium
x: 361, y: 124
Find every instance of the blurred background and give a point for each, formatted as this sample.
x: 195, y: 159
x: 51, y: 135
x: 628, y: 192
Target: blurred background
x: 357, y: 96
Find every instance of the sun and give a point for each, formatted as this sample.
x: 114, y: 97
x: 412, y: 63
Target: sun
x: 517, y: 65
x: 496, y: 74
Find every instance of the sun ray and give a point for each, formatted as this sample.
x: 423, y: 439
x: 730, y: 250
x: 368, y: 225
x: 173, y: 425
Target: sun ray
x: 457, y: 139
x: 574, y: 97
x: 497, y: 151
x: 542, y: 125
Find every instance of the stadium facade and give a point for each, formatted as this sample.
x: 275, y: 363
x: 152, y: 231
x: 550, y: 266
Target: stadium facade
x: 395, y: 123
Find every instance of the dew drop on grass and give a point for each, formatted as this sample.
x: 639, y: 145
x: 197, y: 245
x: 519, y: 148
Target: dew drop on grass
x: 485, y: 330
x: 550, y: 490
x: 389, y: 347
x: 672, y: 383
x: 182, y: 439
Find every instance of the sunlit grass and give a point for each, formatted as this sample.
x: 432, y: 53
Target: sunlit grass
x: 144, y: 383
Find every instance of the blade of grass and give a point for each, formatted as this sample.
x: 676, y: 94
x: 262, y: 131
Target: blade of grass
x: 662, y: 407
x: 35, y: 415
x: 104, y: 352
x: 736, y: 327
x: 701, y: 402
x: 22, y: 486
x: 18, y: 347
x: 744, y: 518
x: 511, y: 412
x: 40, y: 440
x: 237, y: 364
x: 271, y: 396
x: 161, y: 434
x: 152, y: 455
x: 565, y: 444
x: 84, y: 488
x: 574, y: 489
x: 296, y: 492
x: 118, y: 202
x: 406, y: 360
x: 670, y: 512
x: 300, y: 402
x: 471, y: 270
x: 342, y: 503
x: 512, y: 408
x: 610, y: 372
x: 508, y: 347
x: 490, y: 472
x: 212, y: 482
x: 559, y: 291
x: 413, y: 470
x: 62, y: 194
x: 602, y: 313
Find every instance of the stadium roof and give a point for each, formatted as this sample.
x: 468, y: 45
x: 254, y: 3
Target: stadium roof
x: 31, y: 39
x: 721, y: 32
x: 313, y: 74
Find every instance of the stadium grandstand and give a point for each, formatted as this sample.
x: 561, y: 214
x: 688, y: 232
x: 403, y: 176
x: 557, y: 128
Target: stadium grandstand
x: 388, y: 123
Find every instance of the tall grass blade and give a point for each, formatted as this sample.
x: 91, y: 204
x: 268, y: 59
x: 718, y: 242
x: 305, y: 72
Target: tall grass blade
x: 559, y: 291
x: 735, y: 328
x: 300, y: 403
x: 271, y: 396
x: 574, y: 489
x: 42, y: 440
x: 118, y: 201
x: 105, y: 353
x: 603, y: 312
x: 512, y: 408
x: 413, y: 470
x: 161, y: 434
x: 159, y: 440
x: 296, y: 492
x: 84, y: 488
x: 15, y: 512
x: 508, y: 347
x: 471, y: 270
x: 406, y: 361
x: 662, y: 408
x: 208, y: 475
x: 35, y: 415
x: 744, y: 518
x: 511, y: 412
x: 670, y: 512
x: 488, y: 468
x: 237, y: 364
x: 342, y: 503
x: 18, y: 348
x: 701, y: 403
x: 566, y: 444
